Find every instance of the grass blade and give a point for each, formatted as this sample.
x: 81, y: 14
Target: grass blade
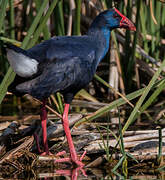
x: 34, y: 25
x: 112, y: 105
x: 3, y: 12
x: 42, y: 24
x: 59, y: 19
x: 12, y: 23
x: 77, y: 18
x: 118, y: 164
x: 142, y: 98
x: 109, y: 86
x: 46, y: 32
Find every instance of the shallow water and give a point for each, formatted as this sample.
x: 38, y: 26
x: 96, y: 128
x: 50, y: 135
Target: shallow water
x: 78, y: 174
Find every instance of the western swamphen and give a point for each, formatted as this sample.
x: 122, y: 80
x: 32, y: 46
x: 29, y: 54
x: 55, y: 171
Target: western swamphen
x: 63, y: 64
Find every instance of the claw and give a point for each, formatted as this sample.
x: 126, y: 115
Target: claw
x: 79, y: 163
x: 60, y: 153
x: 46, y: 153
x: 83, y: 155
x: 68, y: 159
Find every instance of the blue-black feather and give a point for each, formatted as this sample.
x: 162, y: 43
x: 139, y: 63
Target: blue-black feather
x: 67, y: 63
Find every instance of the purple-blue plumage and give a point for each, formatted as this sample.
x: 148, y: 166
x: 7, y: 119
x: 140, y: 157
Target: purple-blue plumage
x: 67, y: 63
x: 64, y: 64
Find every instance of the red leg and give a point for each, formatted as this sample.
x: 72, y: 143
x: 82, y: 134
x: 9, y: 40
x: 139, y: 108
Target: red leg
x: 37, y: 142
x: 72, y: 150
x: 44, y: 128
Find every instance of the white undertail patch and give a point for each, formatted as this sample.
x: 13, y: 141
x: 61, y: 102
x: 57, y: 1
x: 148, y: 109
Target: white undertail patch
x: 22, y: 65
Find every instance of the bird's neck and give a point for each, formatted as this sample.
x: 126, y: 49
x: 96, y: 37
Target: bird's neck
x: 101, y: 37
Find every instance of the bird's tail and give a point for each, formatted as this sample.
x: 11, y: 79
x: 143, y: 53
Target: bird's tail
x: 15, y: 48
x: 20, y: 61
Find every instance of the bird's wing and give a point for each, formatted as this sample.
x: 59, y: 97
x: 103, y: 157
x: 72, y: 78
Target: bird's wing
x: 56, y: 76
x: 61, y: 47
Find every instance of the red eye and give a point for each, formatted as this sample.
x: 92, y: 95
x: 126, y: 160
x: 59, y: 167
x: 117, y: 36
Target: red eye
x: 116, y: 15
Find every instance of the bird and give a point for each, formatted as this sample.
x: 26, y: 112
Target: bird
x: 64, y: 64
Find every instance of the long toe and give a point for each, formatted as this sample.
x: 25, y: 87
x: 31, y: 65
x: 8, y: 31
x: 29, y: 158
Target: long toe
x: 79, y: 163
x: 60, y: 153
x: 46, y: 153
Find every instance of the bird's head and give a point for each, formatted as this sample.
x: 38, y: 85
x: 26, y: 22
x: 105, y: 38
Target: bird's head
x: 112, y: 18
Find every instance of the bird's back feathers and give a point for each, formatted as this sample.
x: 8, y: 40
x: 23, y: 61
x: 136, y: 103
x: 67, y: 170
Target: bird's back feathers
x: 65, y: 63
